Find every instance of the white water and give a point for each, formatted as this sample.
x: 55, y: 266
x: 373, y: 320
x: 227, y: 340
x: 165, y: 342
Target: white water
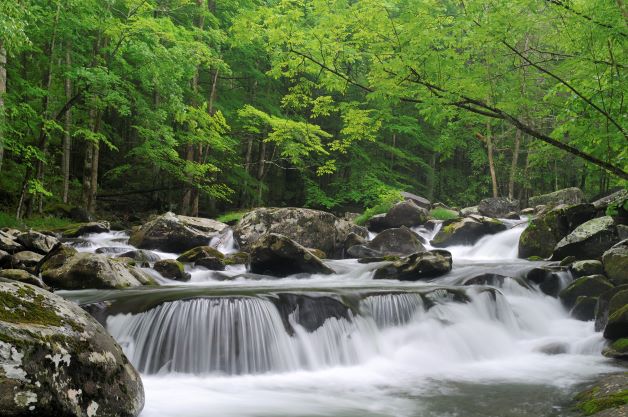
x: 232, y: 356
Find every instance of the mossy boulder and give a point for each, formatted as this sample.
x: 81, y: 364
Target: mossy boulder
x: 584, y: 309
x: 8, y: 243
x: 238, y: 258
x: 550, y: 279
x: 615, y: 262
x: 25, y: 260
x: 617, y: 326
x: 587, y: 267
x: 88, y: 270
x: 309, y: 228
x: 546, y: 230
x: 170, y: 268
x: 200, y: 252
x: 56, y: 360
x: 173, y: 233
x: 417, y: 266
x: 617, y: 350
x: 608, y: 397
x: 466, y: 231
x: 498, y: 207
x: 37, y: 242
x: 396, y: 242
x: 404, y: 213
x: 608, y: 303
x: 591, y: 286
x: 85, y: 229
x: 589, y: 240
x: 22, y: 276
x: 570, y: 196
x: 142, y: 256
x: 277, y: 255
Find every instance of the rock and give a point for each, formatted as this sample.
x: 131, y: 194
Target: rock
x: 530, y: 211
x: 238, y: 258
x: 86, y: 228
x: 112, y: 250
x: 470, y: 211
x: 309, y: 228
x: 565, y: 196
x: 584, y: 268
x: 417, y: 266
x: 494, y: 280
x: 589, y: 240
x: 513, y: 215
x: 617, y: 326
x: 173, y: 233
x: 591, y: 286
x: 584, y: 309
x: 37, y: 242
x: 615, y: 262
x: 352, y: 240
x: 497, y: 207
x: 22, y: 276
x: 466, y: 231
x: 58, y: 361
x: 211, y: 263
x: 418, y: 200
x: 608, y: 303
x: 568, y: 260
x: 312, y: 312
x: 277, y: 255
x: 548, y: 278
x: 8, y: 243
x: 617, y: 350
x: 376, y: 223
x: 396, y: 242
x: 25, y: 259
x: 404, y: 213
x: 602, y: 204
x: 362, y: 252
x: 200, y: 252
x: 87, y: 270
x: 4, y: 257
x: 141, y: 256
x: 545, y: 231
x: 169, y: 268
x: 57, y: 257
x: 606, y: 398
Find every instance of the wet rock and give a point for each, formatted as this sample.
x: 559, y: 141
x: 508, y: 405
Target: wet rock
x: 277, y: 255
x: 363, y: 251
x: 466, y: 231
x: 169, y: 268
x: 200, y: 252
x: 418, y: 200
x: 87, y: 270
x: 238, y: 258
x: 173, y: 233
x: 584, y: 309
x: 608, y: 303
x: 555, y: 348
x: 312, y: 311
x: 309, y: 228
x: 550, y: 279
x: 494, y: 280
x: 112, y: 250
x: 470, y: 211
x: 617, y: 326
x: 591, y: 286
x: 22, y: 276
x: 211, y: 263
x: 8, y: 243
x: 352, y: 240
x: 25, y: 260
x: 606, y: 398
x: 497, y: 207
x: 417, y: 266
x: 545, y: 231
x: 565, y: 196
x: 58, y: 361
x: 4, y: 257
x: 404, y: 213
x: 141, y: 255
x: 376, y: 223
x: 37, y: 242
x: 584, y: 268
x: 396, y: 242
x: 617, y: 350
x: 86, y: 228
x: 589, y: 240
x: 615, y: 262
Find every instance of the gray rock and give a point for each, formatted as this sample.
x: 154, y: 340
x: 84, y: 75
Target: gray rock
x: 352, y: 240
x: 417, y: 266
x: 468, y: 211
x: 572, y: 195
x: 37, y: 242
x: 22, y: 276
x: 377, y: 223
x: 548, y: 279
x: 173, y: 233
x: 58, y: 361
x: 617, y: 326
x: 528, y: 211
x: 141, y: 255
x: 212, y: 263
x: 86, y: 228
x: 418, y: 200
x: 277, y: 255
x: 405, y: 213
x: 589, y: 240
x: 615, y: 262
x: 310, y: 228
x: 608, y: 303
x: 396, y: 242
x: 584, y: 309
x: 25, y: 259
x: 602, y: 203
x: 8, y: 243
x: 587, y: 267
x: 591, y: 286
x: 606, y: 397
x: 112, y: 250
x: 363, y: 251
x: 466, y: 231
x: 169, y: 268
x: 497, y: 207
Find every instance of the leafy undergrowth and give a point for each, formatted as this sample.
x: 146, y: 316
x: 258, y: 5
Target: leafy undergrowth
x: 231, y: 217
x: 387, y: 200
x: 441, y: 213
x: 36, y: 222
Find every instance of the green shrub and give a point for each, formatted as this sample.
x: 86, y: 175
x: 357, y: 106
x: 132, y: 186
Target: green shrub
x: 36, y: 222
x: 386, y: 201
x: 231, y: 217
x: 441, y: 213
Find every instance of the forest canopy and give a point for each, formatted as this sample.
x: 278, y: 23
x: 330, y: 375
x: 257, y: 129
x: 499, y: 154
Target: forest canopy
x: 205, y: 106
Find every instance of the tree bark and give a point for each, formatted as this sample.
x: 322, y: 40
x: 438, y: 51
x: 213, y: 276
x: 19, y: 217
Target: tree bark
x: 3, y: 91
x: 491, y: 162
x: 67, y: 138
x: 261, y: 171
x: 513, y: 167
x: 90, y: 166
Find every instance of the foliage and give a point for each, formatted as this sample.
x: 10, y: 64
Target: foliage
x: 384, y: 204
x: 441, y: 213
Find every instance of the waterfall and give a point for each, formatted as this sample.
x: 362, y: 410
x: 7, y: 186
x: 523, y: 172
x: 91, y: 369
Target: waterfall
x: 389, y: 310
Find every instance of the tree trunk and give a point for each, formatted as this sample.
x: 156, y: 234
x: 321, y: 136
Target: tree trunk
x: 392, y: 153
x: 260, y: 171
x: 3, y: 90
x: 67, y: 138
x: 491, y: 163
x: 90, y: 166
x: 513, y: 167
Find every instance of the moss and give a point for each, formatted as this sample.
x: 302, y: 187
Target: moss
x: 232, y: 217
x: 441, y: 213
x: 620, y: 345
x: 590, y: 403
x: 14, y: 309
x: 200, y: 252
x: 534, y: 258
x: 617, y: 314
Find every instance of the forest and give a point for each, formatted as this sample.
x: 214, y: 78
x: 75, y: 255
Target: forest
x: 213, y: 106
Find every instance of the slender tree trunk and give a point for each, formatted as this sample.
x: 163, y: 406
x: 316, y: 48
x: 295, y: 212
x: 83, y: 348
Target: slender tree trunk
x: 392, y: 153
x: 90, y: 166
x: 431, y: 179
x: 513, y: 167
x: 93, y: 189
x: 491, y: 162
x: 247, y: 165
x: 261, y: 171
x: 67, y: 138
x: 3, y: 91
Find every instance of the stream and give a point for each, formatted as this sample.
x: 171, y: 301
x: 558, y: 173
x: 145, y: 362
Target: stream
x: 237, y: 344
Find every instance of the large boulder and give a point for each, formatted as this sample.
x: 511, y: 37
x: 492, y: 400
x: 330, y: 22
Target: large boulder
x: 571, y: 195
x: 587, y: 267
x: 170, y: 268
x: 56, y: 360
x: 418, y: 200
x: 25, y: 260
x: 497, y: 206
x: 550, y: 279
x: 606, y: 398
x: 612, y: 199
x: 591, y: 286
x: 404, y: 213
x: 466, y: 231
x: 85, y: 229
x: 22, y: 276
x: 589, y: 240
x: 310, y: 228
x: 142, y: 256
x: 37, y: 242
x: 8, y: 243
x: 173, y: 233
x: 396, y: 242
x: 617, y: 326
x: 277, y: 255
x: 88, y: 270
x: 417, y: 266
x: 546, y: 230
x: 609, y: 302
x: 615, y: 262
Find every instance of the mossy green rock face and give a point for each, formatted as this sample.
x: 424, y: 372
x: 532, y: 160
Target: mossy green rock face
x: 617, y: 326
x: 87, y: 270
x: 85, y: 228
x: 466, y: 231
x: 200, y: 252
x: 607, y: 398
x: 584, y: 309
x: 585, y: 268
x: 545, y: 231
x: 615, y: 262
x: 56, y: 360
x: 169, y: 268
x: 589, y: 240
x: 617, y: 350
x: 591, y: 286
x: 417, y: 266
x: 280, y: 256
x: 22, y: 276
x: 619, y: 297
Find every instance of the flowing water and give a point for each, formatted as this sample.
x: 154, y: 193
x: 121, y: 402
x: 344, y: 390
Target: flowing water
x: 237, y: 344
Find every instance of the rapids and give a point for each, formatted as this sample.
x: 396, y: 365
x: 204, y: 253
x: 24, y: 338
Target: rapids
x: 229, y: 344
